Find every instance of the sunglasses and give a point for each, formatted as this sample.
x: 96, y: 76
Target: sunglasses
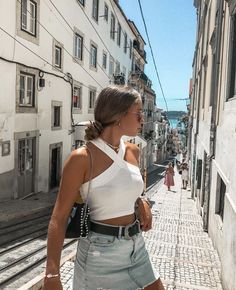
x: 140, y: 115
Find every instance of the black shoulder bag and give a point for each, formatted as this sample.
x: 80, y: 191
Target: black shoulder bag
x: 79, y: 221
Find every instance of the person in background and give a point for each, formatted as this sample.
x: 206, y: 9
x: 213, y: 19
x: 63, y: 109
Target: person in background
x: 184, y: 175
x: 169, y: 176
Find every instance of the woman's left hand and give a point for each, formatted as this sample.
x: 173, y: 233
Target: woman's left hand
x: 145, y: 215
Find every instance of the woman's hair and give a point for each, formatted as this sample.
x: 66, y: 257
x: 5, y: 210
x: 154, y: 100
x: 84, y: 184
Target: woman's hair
x: 112, y: 102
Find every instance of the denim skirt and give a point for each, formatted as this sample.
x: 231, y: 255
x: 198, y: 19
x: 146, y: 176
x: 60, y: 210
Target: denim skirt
x: 105, y: 262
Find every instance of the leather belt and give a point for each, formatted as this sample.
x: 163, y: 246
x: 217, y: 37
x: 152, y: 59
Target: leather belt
x: 118, y: 231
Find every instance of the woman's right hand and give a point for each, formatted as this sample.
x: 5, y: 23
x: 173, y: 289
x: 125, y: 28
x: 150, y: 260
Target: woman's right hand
x: 52, y: 284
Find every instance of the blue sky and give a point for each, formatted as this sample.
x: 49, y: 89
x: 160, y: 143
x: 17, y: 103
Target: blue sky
x: 171, y: 26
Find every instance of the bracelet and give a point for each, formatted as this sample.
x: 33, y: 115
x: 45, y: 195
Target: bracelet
x: 50, y: 275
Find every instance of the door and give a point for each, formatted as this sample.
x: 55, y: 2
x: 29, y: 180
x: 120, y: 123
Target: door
x: 26, y: 166
x: 55, y: 167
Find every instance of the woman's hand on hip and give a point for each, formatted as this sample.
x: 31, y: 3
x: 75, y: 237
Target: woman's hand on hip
x: 145, y: 215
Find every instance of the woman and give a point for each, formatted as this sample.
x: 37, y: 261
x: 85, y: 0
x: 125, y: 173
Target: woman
x: 113, y: 260
x: 169, y: 176
x: 184, y: 175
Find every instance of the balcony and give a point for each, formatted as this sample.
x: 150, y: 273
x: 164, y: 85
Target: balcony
x: 119, y: 79
x: 141, y: 52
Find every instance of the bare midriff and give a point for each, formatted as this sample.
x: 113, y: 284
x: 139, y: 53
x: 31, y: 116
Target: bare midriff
x: 119, y: 221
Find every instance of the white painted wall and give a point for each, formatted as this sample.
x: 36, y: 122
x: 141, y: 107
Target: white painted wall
x: 55, y: 88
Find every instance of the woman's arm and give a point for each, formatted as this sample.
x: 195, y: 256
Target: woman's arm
x: 144, y: 207
x: 73, y: 177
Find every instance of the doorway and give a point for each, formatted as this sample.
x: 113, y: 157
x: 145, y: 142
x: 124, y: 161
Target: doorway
x: 55, y: 165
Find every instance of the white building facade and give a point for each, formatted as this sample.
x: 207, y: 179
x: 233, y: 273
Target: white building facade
x: 55, y: 57
x: 212, y: 128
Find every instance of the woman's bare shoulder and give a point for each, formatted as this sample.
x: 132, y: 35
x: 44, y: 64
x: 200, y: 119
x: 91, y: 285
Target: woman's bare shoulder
x: 78, y: 159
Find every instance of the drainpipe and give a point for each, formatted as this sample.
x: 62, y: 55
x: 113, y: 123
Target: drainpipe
x: 214, y: 91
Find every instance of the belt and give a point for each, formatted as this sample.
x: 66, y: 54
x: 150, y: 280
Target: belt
x: 118, y: 231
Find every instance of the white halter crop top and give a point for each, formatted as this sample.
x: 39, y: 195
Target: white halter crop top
x: 114, y: 191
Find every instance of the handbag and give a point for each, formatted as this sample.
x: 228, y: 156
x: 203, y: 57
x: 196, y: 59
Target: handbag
x: 79, y: 220
x: 143, y: 209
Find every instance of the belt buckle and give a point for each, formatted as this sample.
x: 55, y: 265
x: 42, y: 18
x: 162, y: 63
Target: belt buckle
x: 126, y: 232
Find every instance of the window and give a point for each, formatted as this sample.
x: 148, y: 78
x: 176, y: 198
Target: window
x: 111, y: 66
x: 28, y: 16
x: 113, y: 26
x: 232, y: 62
x: 27, y: 87
x: 117, y: 67
x: 106, y: 12
x: 125, y: 42
x: 56, y: 115
x: 93, y: 56
x: 118, y: 34
x: 220, y: 197
x: 95, y: 9
x: 57, y: 59
x: 104, y: 60
x: 78, y: 46
x: 92, y: 98
x: 82, y: 2
x: 130, y: 49
x: 77, y: 97
x: 57, y: 55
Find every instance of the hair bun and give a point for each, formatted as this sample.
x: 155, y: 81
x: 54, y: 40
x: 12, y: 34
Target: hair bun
x: 93, y: 130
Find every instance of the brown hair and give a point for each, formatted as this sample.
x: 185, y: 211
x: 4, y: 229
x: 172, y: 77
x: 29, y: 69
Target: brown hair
x: 112, y: 102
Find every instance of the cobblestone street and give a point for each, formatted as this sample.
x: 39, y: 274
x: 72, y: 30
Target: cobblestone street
x: 180, y: 250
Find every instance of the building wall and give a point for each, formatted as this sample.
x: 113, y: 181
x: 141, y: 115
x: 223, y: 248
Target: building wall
x: 220, y: 156
x: 56, y: 90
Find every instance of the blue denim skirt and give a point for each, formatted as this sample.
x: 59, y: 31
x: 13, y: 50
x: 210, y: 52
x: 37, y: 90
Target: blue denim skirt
x: 109, y: 263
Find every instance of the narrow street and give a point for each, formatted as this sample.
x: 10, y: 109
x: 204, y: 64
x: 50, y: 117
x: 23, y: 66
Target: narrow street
x: 180, y: 250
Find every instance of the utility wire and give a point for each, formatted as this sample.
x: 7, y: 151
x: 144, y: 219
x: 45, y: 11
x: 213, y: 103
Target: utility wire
x: 153, y: 59
x: 64, y: 50
x: 73, y: 36
x: 31, y: 50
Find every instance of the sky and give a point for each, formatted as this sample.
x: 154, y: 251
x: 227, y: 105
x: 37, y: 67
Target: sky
x: 171, y: 26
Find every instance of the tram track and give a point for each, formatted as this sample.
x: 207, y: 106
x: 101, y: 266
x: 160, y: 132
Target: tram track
x: 13, y: 270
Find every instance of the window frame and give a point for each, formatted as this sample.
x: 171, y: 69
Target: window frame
x: 29, y: 18
x: 125, y: 42
x: 92, y: 94
x: 231, y: 86
x: 112, y: 26
x: 54, y: 105
x: 57, y: 45
x: 118, y: 34
x: 27, y: 76
x: 95, y: 10
x: 77, y: 48
x: 104, y: 54
x: 130, y: 48
x: 220, y: 197
x: 77, y: 86
x: 58, y: 48
x: 106, y: 15
x: 93, y: 57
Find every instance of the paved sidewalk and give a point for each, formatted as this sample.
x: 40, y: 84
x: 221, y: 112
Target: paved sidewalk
x: 179, y: 249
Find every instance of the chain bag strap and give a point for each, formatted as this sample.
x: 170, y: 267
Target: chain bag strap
x: 79, y: 221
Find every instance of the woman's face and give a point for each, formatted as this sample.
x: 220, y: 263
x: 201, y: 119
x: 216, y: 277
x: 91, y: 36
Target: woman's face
x: 131, y: 122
